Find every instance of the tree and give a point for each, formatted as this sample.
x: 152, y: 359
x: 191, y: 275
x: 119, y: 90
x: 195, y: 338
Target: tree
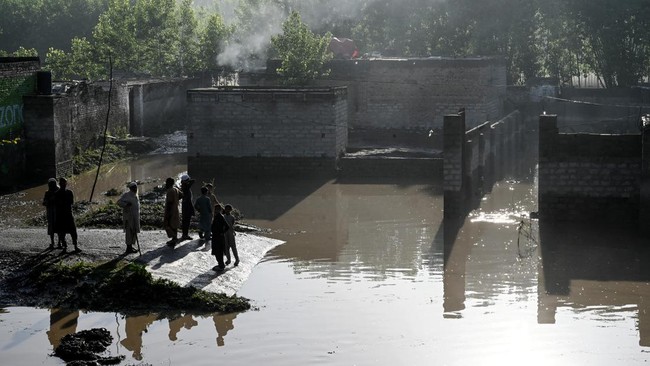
x: 211, y: 40
x: 157, y: 35
x: 303, y: 54
x: 188, y: 45
x: 114, y: 36
x: 617, y: 36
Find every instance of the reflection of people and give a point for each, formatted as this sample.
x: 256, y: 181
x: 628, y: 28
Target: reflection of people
x: 50, y: 209
x: 187, y: 205
x: 175, y: 325
x: 62, y: 323
x: 219, y: 228
x: 171, y: 220
x: 130, y: 204
x: 135, y: 326
x: 204, y: 207
x: 64, y: 198
x: 223, y: 324
x: 230, y: 236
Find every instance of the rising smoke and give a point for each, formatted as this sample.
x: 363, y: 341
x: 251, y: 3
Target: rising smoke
x: 248, y: 46
x: 257, y: 21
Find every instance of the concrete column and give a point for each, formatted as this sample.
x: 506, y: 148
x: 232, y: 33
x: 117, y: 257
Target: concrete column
x: 644, y: 202
x: 454, y: 168
x: 39, y: 130
x: 547, y: 134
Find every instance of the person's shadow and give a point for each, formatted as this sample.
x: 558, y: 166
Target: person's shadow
x: 166, y: 254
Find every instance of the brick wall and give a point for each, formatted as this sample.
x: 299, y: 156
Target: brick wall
x: 470, y: 158
x: 413, y: 94
x: 86, y: 109
x: 588, y: 176
x: 260, y: 123
x: 160, y: 106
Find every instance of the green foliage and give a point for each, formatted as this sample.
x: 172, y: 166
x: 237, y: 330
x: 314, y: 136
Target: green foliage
x: 41, y: 24
x: 188, y: 40
x: 89, y: 159
x: 211, y: 39
x: 558, y: 38
x: 303, y: 53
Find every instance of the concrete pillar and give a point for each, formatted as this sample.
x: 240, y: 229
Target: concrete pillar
x: 136, y: 111
x: 547, y: 134
x: 454, y: 165
x: 644, y: 202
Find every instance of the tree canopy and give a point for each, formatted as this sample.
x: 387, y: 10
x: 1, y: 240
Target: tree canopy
x: 550, y: 38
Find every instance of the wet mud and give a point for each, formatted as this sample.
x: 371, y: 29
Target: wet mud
x: 84, y: 348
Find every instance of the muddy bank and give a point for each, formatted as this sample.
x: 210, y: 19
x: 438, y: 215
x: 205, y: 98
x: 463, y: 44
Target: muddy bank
x: 43, y: 280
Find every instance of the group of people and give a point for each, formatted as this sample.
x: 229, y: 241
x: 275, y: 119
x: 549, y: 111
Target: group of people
x: 58, y: 202
x: 216, y: 223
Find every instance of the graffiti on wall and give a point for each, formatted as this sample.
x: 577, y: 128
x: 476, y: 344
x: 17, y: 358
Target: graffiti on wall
x: 12, y: 90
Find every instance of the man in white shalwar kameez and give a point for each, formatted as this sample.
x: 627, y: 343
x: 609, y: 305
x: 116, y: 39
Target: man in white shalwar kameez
x: 130, y: 204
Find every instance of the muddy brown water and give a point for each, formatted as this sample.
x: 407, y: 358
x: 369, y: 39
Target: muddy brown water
x: 371, y: 274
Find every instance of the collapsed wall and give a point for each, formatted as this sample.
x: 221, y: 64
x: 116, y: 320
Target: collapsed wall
x: 274, y: 131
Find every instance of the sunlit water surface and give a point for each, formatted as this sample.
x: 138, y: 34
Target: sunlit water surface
x: 371, y: 275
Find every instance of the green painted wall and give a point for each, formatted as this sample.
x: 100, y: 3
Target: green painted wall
x: 12, y: 89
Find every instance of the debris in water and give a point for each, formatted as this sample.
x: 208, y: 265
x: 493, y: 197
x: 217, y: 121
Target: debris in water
x: 84, y: 347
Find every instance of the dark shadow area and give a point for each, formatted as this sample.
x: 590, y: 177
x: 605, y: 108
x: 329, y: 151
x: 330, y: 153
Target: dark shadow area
x: 262, y: 198
x: 202, y: 280
x: 166, y: 254
x: 594, y: 265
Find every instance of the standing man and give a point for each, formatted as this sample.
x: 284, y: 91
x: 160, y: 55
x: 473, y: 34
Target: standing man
x: 219, y: 228
x: 130, y: 203
x: 187, y: 205
x: 64, y: 198
x: 204, y: 207
x: 50, y: 209
x: 171, y: 220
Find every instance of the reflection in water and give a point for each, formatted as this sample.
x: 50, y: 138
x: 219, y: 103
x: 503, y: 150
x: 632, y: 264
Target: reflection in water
x: 223, y: 324
x: 134, y: 328
x: 175, y: 325
x: 368, y: 270
x: 62, y: 323
x: 600, y: 267
x: 152, y: 170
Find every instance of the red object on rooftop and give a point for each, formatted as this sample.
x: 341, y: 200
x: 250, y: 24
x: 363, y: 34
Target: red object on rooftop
x: 343, y: 48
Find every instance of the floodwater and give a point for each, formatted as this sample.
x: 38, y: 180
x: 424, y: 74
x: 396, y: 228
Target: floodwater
x: 371, y: 274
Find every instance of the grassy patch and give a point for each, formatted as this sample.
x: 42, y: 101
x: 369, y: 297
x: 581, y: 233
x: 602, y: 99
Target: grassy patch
x: 121, y: 286
x: 88, y: 159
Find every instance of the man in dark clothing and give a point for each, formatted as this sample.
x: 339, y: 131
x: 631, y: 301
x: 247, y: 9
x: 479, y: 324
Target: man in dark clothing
x: 187, y: 205
x: 64, y: 198
x: 219, y: 228
x: 50, y: 209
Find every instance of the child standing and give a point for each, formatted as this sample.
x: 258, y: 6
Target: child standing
x: 230, y: 236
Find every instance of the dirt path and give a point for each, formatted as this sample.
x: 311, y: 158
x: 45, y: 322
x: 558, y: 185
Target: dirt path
x: 189, y: 263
